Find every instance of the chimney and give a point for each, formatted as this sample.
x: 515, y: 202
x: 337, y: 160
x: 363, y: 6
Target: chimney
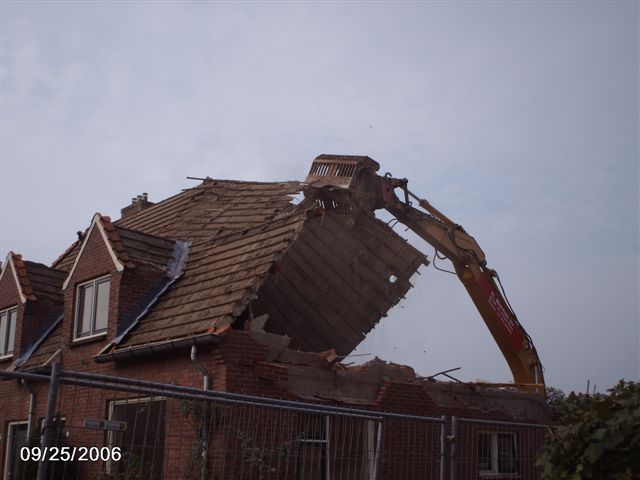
x: 138, y: 204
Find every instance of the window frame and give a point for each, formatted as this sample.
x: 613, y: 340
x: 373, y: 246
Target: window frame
x: 92, y: 321
x: 9, y: 444
x: 494, y: 454
x: 4, y: 354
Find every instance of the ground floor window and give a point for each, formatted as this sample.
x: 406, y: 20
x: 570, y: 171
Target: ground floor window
x: 497, y: 453
x: 332, y: 447
x: 142, y: 439
x: 313, y: 448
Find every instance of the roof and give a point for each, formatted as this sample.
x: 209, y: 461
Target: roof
x: 322, y: 277
x: 221, y: 277
x: 35, y: 280
x: 46, y: 282
x: 142, y: 248
x: 337, y: 280
x: 213, y: 207
x: 44, y: 348
x: 127, y: 247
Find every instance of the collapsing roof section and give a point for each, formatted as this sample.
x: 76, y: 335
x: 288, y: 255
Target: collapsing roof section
x: 335, y: 282
x: 323, y: 278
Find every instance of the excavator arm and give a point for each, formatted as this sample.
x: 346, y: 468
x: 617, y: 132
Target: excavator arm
x: 470, y: 266
x: 347, y: 183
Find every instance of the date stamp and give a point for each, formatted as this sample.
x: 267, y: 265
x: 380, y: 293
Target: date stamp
x: 70, y: 454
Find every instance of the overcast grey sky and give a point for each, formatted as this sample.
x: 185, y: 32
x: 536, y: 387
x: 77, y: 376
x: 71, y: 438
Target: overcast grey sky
x: 518, y: 119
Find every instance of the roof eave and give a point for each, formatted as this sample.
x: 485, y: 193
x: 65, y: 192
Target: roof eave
x: 144, y: 351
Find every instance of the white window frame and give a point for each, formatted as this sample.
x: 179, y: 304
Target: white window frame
x: 92, y: 332
x: 110, y: 433
x: 495, y: 472
x: 3, y: 348
x: 9, y: 442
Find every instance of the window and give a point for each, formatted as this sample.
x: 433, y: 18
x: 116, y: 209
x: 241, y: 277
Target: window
x: 497, y: 453
x: 340, y: 448
x: 8, y: 331
x: 142, y: 441
x: 313, y: 446
x: 92, y: 308
x: 16, y: 439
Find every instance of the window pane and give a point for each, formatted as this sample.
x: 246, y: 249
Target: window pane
x: 3, y: 333
x: 484, y: 452
x: 507, y: 461
x: 142, y: 443
x: 85, y: 303
x: 11, y: 330
x: 102, y: 306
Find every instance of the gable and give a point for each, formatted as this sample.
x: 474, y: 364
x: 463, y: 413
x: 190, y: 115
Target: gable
x: 9, y: 293
x: 14, y: 283
x: 100, y: 252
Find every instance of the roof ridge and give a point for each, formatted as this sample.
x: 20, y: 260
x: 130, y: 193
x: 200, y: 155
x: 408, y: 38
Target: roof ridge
x: 251, y: 182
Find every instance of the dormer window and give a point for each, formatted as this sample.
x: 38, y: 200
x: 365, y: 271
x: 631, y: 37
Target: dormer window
x: 8, y: 331
x: 92, y: 308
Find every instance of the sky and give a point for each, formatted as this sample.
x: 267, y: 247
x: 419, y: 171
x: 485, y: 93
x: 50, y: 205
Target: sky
x: 519, y: 120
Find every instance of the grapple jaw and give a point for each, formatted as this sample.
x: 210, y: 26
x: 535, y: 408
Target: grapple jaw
x: 345, y: 183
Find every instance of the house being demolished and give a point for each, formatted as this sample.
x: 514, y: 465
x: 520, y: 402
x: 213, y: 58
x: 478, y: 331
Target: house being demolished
x: 237, y: 283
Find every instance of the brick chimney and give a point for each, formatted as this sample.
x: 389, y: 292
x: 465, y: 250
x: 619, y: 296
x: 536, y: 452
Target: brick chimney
x: 138, y: 204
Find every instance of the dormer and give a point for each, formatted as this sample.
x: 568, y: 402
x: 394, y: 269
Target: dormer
x: 30, y: 302
x: 113, y: 277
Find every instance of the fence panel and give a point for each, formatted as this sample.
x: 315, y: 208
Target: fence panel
x: 414, y: 448
x: 112, y: 428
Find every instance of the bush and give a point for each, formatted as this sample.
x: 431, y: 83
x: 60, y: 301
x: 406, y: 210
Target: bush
x: 599, y: 436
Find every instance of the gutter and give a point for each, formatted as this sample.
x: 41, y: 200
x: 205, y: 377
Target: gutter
x: 205, y: 433
x: 199, y: 366
x: 32, y: 408
x: 151, y: 349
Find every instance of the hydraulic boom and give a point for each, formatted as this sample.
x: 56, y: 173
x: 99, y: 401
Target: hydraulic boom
x: 348, y: 183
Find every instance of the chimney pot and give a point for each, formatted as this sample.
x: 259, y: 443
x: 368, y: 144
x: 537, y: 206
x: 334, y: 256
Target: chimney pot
x: 138, y: 204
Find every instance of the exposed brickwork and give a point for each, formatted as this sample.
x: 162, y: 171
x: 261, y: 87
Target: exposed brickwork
x: 10, y: 297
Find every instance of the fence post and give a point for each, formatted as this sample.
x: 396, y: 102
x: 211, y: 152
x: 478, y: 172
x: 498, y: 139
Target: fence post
x: 443, y: 446
x: 48, y: 429
x: 454, y: 448
x: 377, y: 466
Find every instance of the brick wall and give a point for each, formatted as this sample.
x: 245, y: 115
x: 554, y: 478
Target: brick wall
x: 10, y: 297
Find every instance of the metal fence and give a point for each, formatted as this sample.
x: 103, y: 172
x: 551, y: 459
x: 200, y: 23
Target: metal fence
x: 106, y: 427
